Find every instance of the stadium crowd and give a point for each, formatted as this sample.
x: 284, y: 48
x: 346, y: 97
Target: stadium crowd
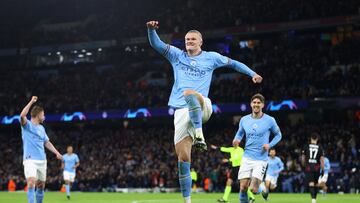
x: 113, y: 21
x: 143, y: 157
x: 284, y: 62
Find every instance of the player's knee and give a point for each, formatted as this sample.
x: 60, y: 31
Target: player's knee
x: 254, y: 190
x: 272, y: 187
x: 184, y: 157
x: 243, y: 188
x: 229, y: 182
x: 31, y: 182
x: 40, y: 184
x: 189, y: 92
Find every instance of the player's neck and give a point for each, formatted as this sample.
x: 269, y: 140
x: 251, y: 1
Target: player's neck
x: 35, y: 121
x: 194, y: 52
x: 257, y: 115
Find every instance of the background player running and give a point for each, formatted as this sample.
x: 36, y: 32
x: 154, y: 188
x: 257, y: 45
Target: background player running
x: 275, y: 166
x: 69, y: 164
x: 257, y: 128
x: 313, y: 160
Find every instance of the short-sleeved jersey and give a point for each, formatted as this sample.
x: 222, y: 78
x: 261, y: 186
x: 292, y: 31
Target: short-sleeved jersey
x: 313, y: 153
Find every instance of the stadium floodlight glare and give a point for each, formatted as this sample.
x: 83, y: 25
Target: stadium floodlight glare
x: 88, y: 54
x: 81, y: 55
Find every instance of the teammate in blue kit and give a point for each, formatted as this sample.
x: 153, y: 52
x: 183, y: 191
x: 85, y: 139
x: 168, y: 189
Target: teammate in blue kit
x: 34, y: 139
x: 275, y: 166
x: 257, y: 127
x: 193, y: 71
x: 69, y: 164
x: 324, y: 175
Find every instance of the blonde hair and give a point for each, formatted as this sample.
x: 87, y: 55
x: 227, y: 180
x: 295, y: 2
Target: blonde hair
x: 35, y: 111
x: 197, y: 32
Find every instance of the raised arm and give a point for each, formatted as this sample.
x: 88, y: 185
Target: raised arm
x: 242, y: 68
x: 221, y: 61
x: 26, y: 109
x: 154, y: 39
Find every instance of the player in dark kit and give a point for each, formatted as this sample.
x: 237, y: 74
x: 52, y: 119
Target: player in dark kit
x: 312, y: 160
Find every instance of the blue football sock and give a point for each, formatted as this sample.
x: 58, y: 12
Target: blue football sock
x: 184, y: 178
x: 39, y: 195
x: 67, y: 187
x: 31, y: 195
x: 195, y: 112
x: 243, y: 197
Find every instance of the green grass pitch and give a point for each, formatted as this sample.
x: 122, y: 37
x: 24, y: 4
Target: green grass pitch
x: 78, y: 197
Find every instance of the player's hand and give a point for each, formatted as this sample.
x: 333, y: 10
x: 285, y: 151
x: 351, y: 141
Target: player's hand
x: 266, y: 147
x: 225, y: 160
x: 257, y: 78
x: 236, y: 143
x: 59, y: 156
x: 33, y: 99
x: 152, y: 24
x: 213, y: 146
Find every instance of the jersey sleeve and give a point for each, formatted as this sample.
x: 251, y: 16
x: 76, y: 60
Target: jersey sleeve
x: 226, y: 149
x: 171, y: 53
x: 276, y: 131
x: 77, y: 159
x: 219, y: 60
x: 27, y: 125
x: 241, y: 132
x: 327, y: 164
x: 280, y: 164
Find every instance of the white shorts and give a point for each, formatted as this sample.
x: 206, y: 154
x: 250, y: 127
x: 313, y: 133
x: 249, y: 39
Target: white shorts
x: 323, y: 179
x: 183, y: 126
x: 35, y: 168
x: 272, y: 179
x: 69, y: 176
x: 250, y: 168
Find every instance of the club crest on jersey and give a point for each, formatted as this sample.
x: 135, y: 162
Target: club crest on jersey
x: 193, y: 63
x: 254, y: 126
